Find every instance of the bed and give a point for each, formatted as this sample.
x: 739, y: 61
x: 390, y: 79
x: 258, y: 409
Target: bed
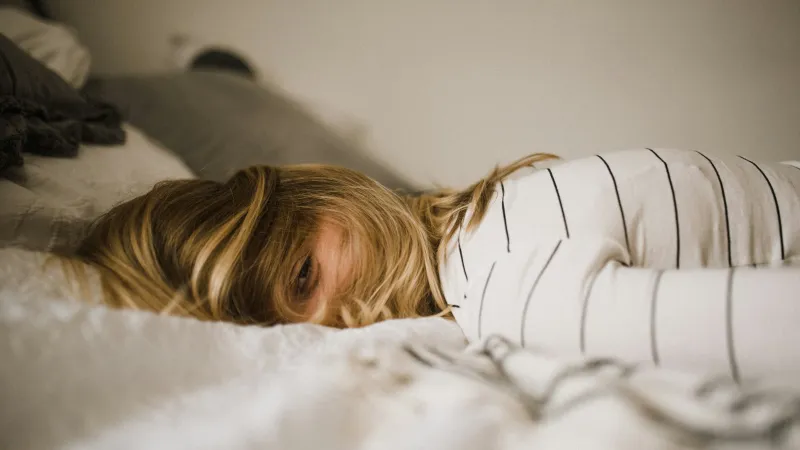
x: 78, y: 375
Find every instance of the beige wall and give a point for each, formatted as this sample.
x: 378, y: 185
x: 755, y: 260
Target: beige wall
x: 446, y: 88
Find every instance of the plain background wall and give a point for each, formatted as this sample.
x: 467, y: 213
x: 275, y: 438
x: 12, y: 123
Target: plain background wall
x: 444, y: 89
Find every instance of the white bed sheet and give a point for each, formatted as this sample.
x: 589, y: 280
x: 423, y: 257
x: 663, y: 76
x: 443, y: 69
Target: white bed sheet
x: 48, y: 203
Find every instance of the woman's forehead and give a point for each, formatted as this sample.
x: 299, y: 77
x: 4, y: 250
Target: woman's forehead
x: 331, y: 236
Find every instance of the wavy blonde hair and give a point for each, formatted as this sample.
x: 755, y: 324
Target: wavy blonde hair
x: 231, y: 251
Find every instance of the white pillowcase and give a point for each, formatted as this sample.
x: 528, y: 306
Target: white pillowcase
x: 54, y: 45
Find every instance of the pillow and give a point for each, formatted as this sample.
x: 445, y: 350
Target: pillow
x: 218, y: 122
x: 51, y: 43
x: 47, y: 204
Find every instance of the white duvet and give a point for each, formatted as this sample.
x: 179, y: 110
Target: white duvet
x: 76, y: 376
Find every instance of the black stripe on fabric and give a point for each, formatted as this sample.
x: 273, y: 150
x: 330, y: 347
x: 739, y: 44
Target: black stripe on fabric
x: 416, y: 356
x: 653, y: 316
x: 461, y: 254
x: 775, y: 200
x: 734, y: 365
x: 483, y: 296
x: 505, y: 222
x: 584, y: 315
x: 675, y: 210
x: 619, y: 202
x: 725, y: 206
x: 530, y: 293
x: 560, y: 204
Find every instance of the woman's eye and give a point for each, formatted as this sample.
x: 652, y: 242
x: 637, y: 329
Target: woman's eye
x: 304, y: 276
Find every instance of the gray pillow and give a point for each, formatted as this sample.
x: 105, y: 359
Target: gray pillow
x: 219, y: 122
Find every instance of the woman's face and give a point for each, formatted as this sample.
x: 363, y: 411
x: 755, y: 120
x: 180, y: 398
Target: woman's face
x: 328, y: 269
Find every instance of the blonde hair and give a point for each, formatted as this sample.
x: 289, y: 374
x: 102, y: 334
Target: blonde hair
x: 231, y: 251
x: 442, y: 213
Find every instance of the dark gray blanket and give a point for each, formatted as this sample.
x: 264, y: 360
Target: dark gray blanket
x: 41, y: 113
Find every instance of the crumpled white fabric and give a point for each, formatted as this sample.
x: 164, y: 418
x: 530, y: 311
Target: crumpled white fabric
x: 77, y: 376
x: 54, y: 44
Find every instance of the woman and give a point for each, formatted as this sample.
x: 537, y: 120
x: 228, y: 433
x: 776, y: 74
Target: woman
x: 598, y: 254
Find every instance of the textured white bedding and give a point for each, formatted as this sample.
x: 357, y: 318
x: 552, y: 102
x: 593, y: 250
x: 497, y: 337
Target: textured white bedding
x: 81, y: 376
x: 77, y: 376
